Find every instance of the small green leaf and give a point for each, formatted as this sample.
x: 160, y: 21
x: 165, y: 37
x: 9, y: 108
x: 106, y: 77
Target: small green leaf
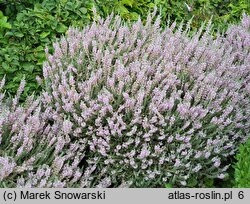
x: 11, y: 86
x: 29, y: 67
x: 4, y: 23
x: 151, y: 5
x: 18, y: 34
x: 134, y: 16
x: 5, y: 65
x: 128, y: 2
x: 83, y: 10
x: 9, y: 34
x: 20, y: 16
x: 61, y: 28
x: 18, y: 77
x: 7, y: 68
x: 40, y: 55
x: 39, y: 48
x: 168, y: 185
x: 70, y: 6
x: 44, y: 34
x: 122, y: 10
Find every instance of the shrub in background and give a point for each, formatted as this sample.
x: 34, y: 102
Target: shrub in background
x: 12, y: 7
x: 154, y: 105
x: 242, y: 167
x: 34, y: 27
x: 224, y: 12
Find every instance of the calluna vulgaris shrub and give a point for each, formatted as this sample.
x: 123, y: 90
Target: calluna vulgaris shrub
x: 132, y: 105
x: 33, y: 151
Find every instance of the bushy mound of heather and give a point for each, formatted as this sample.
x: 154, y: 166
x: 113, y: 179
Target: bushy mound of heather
x: 138, y: 106
x: 154, y: 106
x: 31, y: 146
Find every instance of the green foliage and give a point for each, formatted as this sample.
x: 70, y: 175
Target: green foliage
x: 13, y: 7
x: 22, y: 47
x: 127, y: 9
x: 242, y: 167
x: 3, y: 22
x: 223, y: 12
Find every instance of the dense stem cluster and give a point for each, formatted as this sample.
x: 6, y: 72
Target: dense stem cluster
x: 132, y: 105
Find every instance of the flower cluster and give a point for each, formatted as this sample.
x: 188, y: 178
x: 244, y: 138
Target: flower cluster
x: 132, y: 106
x: 31, y: 145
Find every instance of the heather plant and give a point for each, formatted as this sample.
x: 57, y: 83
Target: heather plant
x: 154, y: 106
x: 33, y: 150
x: 27, y: 26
